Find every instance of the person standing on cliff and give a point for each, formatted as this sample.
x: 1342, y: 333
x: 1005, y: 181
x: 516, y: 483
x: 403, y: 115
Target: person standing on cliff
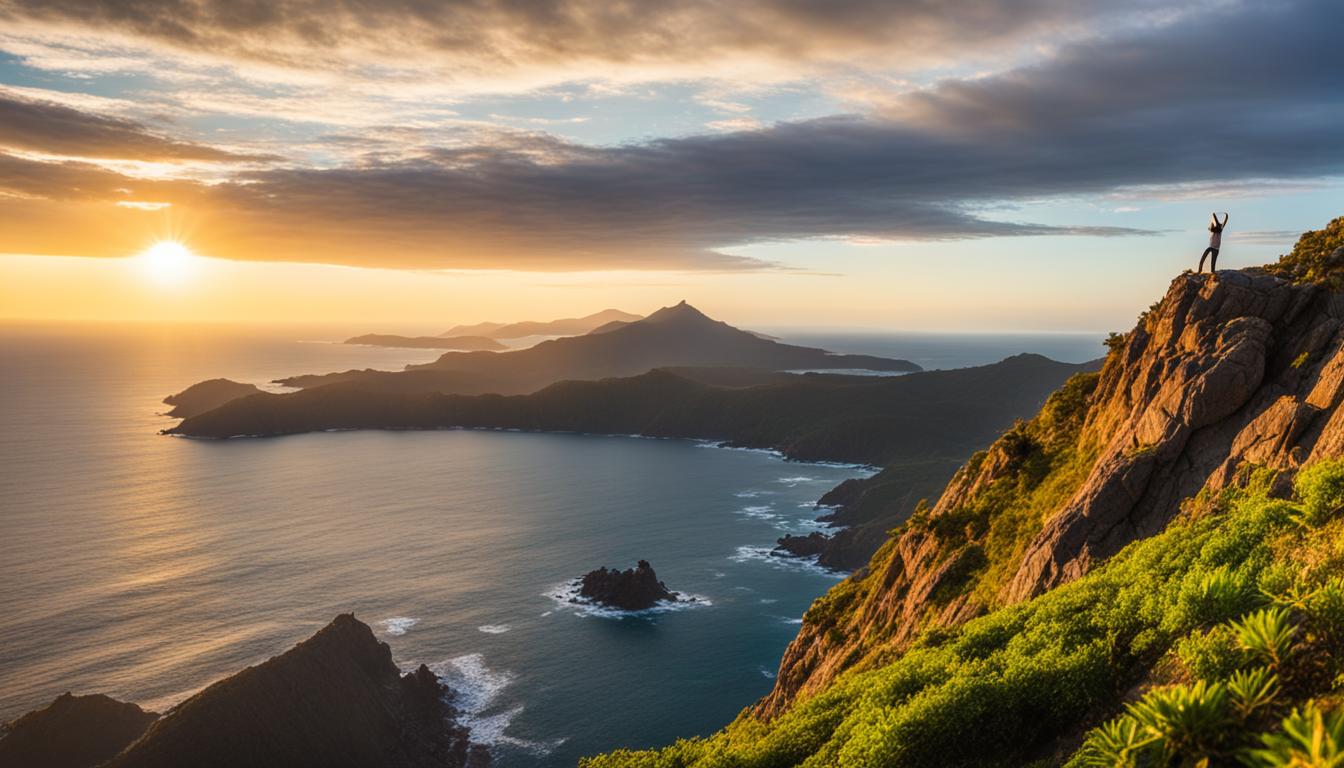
x: 1215, y: 242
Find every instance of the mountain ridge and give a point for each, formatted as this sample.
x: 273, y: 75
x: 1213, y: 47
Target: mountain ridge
x: 568, y: 326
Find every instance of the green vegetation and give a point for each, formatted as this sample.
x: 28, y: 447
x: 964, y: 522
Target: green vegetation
x: 1229, y: 625
x: 1312, y: 259
x: 1044, y: 462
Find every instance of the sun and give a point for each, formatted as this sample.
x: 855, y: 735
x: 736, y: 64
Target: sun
x: 168, y: 262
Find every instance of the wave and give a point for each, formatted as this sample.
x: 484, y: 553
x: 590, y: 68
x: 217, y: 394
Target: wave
x: 566, y: 595
x: 398, y: 625
x: 494, y: 629
x: 760, y: 512
x: 767, y: 674
x: 476, y: 693
x: 752, y: 553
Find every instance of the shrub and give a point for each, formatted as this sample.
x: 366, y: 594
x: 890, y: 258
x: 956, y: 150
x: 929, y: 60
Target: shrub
x: 1321, y: 489
x: 1311, y: 260
x: 1211, y: 655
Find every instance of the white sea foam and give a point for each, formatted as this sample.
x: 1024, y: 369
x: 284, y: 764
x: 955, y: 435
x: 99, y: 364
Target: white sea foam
x: 767, y: 674
x: 768, y: 600
x: 790, y: 620
x: 751, y: 494
x: 751, y: 553
x: 761, y: 512
x: 796, y: 480
x: 566, y: 596
x: 477, y: 688
x: 494, y: 629
x: 398, y: 625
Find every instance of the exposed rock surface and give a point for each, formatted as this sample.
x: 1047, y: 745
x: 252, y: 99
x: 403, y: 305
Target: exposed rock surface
x: 811, y: 545
x: 207, y: 396
x: 335, y: 700
x: 633, y: 589
x: 72, y: 732
x: 1225, y: 373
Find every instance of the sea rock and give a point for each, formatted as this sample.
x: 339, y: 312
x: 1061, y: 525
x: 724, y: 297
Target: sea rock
x: 72, y: 732
x: 810, y: 545
x: 207, y: 396
x: 633, y: 589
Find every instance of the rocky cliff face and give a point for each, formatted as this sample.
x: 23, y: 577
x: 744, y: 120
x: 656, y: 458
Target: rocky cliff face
x: 335, y: 699
x: 1223, y: 375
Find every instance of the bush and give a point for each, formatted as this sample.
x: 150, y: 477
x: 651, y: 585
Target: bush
x: 1321, y: 489
x: 1211, y: 655
x: 1311, y: 261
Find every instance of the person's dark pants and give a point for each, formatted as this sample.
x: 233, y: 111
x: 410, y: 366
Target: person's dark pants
x: 1213, y: 262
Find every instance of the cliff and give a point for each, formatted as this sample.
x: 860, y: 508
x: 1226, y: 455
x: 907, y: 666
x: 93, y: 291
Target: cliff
x: 1145, y: 573
x: 1222, y: 374
x: 335, y: 699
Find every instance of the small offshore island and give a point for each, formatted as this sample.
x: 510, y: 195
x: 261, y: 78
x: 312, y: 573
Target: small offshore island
x: 634, y: 589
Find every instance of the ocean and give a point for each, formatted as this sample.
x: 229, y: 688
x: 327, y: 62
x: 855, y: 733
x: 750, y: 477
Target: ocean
x: 146, y: 567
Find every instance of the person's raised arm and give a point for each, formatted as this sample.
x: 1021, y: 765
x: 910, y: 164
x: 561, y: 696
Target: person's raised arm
x: 1215, y: 218
x: 1226, y: 216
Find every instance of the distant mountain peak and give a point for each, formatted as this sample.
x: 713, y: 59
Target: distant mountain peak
x: 681, y: 311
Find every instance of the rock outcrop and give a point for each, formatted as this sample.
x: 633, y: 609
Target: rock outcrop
x: 633, y: 589
x: 335, y: 700
x: 207, y: 396
x: 811, y: 545
x: 72, y: 732
x: 1225, y: 374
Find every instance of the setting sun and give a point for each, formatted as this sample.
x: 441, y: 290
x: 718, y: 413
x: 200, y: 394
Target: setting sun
x: 168, y: 262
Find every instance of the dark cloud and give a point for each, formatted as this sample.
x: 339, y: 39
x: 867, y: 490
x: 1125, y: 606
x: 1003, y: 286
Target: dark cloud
x: 498, y: 36
x: 45, y: 126
x: 1237, y: 96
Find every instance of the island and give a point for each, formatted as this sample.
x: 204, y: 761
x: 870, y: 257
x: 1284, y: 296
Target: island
x: 206, y: 396
x: 461, y: 343
x: 634, y: 589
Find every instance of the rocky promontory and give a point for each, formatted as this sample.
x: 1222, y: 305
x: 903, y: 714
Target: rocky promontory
x: 334, y: 700
x: 811, y: 545
x: 207, y: 396
x: 633, y: 589
x: 73, y: 732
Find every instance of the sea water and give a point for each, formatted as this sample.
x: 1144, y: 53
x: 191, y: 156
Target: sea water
x: 146, y: 567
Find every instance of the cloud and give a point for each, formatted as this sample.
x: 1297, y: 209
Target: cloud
x: 57, y: 129
x: 1252, y: 93
x: 556, y: 40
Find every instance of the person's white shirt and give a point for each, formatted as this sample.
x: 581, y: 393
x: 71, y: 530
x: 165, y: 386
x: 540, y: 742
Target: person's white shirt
x: 1216, y: 239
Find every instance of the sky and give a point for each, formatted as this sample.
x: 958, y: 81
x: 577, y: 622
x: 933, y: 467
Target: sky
x: 972, y: 165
